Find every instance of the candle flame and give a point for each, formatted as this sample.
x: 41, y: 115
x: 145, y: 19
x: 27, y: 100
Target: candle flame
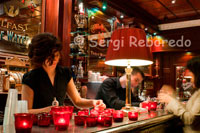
x: 61, y: 121
x: 24, y: 123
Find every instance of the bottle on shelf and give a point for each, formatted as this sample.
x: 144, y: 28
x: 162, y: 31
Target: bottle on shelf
x: 6, y: 81
x: 80, y: 70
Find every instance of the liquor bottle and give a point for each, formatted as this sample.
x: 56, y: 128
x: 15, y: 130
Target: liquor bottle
x: 55, y: 102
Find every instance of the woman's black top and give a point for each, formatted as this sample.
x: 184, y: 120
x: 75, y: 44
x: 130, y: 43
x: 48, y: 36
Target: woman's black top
x: 44, y: 92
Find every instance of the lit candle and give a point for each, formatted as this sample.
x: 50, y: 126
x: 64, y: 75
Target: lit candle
x: 153, y: 105
x: 100, y: 120
x: 23, y: 122
x: 61, y: 120
x: 118, y: 116
x: 146, y: 105
x: 133, y: 116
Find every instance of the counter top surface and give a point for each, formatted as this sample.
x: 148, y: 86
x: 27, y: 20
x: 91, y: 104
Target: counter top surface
x: 144, y: 119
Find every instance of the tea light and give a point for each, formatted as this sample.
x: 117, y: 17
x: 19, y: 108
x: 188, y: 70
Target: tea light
x: 146, y: 105
x: 61, y: 120
x: 79, y: 120
x: 152, y: 114
x: 153, y: 105
x: 44, y: 120
x: 91, y: 121
x: 100, y: 120
x: 133, y: 116
x: 23, y: 122
x: 118, y: 116
x: 108, y: 121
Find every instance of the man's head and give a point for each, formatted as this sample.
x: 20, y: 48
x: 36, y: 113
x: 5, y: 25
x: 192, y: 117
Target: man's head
x: 137, y: 77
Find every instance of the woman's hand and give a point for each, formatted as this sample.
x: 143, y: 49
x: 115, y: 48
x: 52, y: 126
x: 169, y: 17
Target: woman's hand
x: 46, y: 109
x: 98, y: 104
x: 164, y: 98
x: 167, y: 89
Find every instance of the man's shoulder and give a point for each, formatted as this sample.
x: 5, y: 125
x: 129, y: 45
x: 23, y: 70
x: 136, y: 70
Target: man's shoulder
x: 111, y: 80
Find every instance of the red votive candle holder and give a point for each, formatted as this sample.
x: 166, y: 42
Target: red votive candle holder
x: 55, y: 109
x: 35, y: 119
x: 44, y: 120
x: 118, y: 116
x: 108, y: 121
x: 152, y: 114
x: 146, y: 105
x: 82, y: 113
x: 23, y: 122
x: 94, y: 112
x: 100, y: 120
x: 109, y: 110
x: 133, y: 116
x: 70, y: 109
x: 79, y: 120
x: 91, y: 121
x: 153, y: 105
x: 61, y: 120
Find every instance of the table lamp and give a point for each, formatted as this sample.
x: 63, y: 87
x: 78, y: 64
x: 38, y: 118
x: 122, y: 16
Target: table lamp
x: 128, y: 48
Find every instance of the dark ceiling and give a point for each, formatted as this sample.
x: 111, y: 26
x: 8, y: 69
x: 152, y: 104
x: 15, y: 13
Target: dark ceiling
x: 151, y: 12
x: 165, y: 10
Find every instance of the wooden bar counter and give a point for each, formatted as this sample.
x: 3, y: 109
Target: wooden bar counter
x: 155, y: 121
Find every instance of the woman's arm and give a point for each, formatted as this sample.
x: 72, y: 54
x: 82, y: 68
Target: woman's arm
x: 189, y: 116
x: 81, y: 102
x: 28, y: 94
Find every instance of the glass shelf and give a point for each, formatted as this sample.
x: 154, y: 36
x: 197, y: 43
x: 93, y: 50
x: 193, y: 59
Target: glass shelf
x: 81, y: 32
x: 78, y: 55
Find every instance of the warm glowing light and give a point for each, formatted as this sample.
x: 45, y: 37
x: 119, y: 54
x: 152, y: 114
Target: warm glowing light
x: 173, y: 1
x: 125, y: 62
x: 24, y: 124
x: 61, y: 120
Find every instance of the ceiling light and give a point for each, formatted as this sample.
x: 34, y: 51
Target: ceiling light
x: 173, y: 1
x: 122, y: 16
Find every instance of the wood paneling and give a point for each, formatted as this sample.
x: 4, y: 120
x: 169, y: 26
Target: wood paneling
x: 52, y: 16
x: 66, y: 29
x: 57, y: 21
x: 168, y: 63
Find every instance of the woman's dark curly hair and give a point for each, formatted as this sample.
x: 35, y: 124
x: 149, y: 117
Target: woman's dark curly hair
x: 43, y: 46
x: 194, y: 66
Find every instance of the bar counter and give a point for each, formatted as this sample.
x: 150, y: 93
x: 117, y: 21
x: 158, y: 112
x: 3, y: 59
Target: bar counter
x: 154, y: 121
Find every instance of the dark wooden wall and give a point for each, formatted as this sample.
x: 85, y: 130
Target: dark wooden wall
x: 167, y: 58
x: 56, y: 19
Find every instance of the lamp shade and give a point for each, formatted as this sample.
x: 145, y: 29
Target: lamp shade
x: 128, y: 46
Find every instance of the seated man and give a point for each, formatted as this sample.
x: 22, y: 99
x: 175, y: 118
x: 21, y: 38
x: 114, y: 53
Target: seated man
x: 113, y: 90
